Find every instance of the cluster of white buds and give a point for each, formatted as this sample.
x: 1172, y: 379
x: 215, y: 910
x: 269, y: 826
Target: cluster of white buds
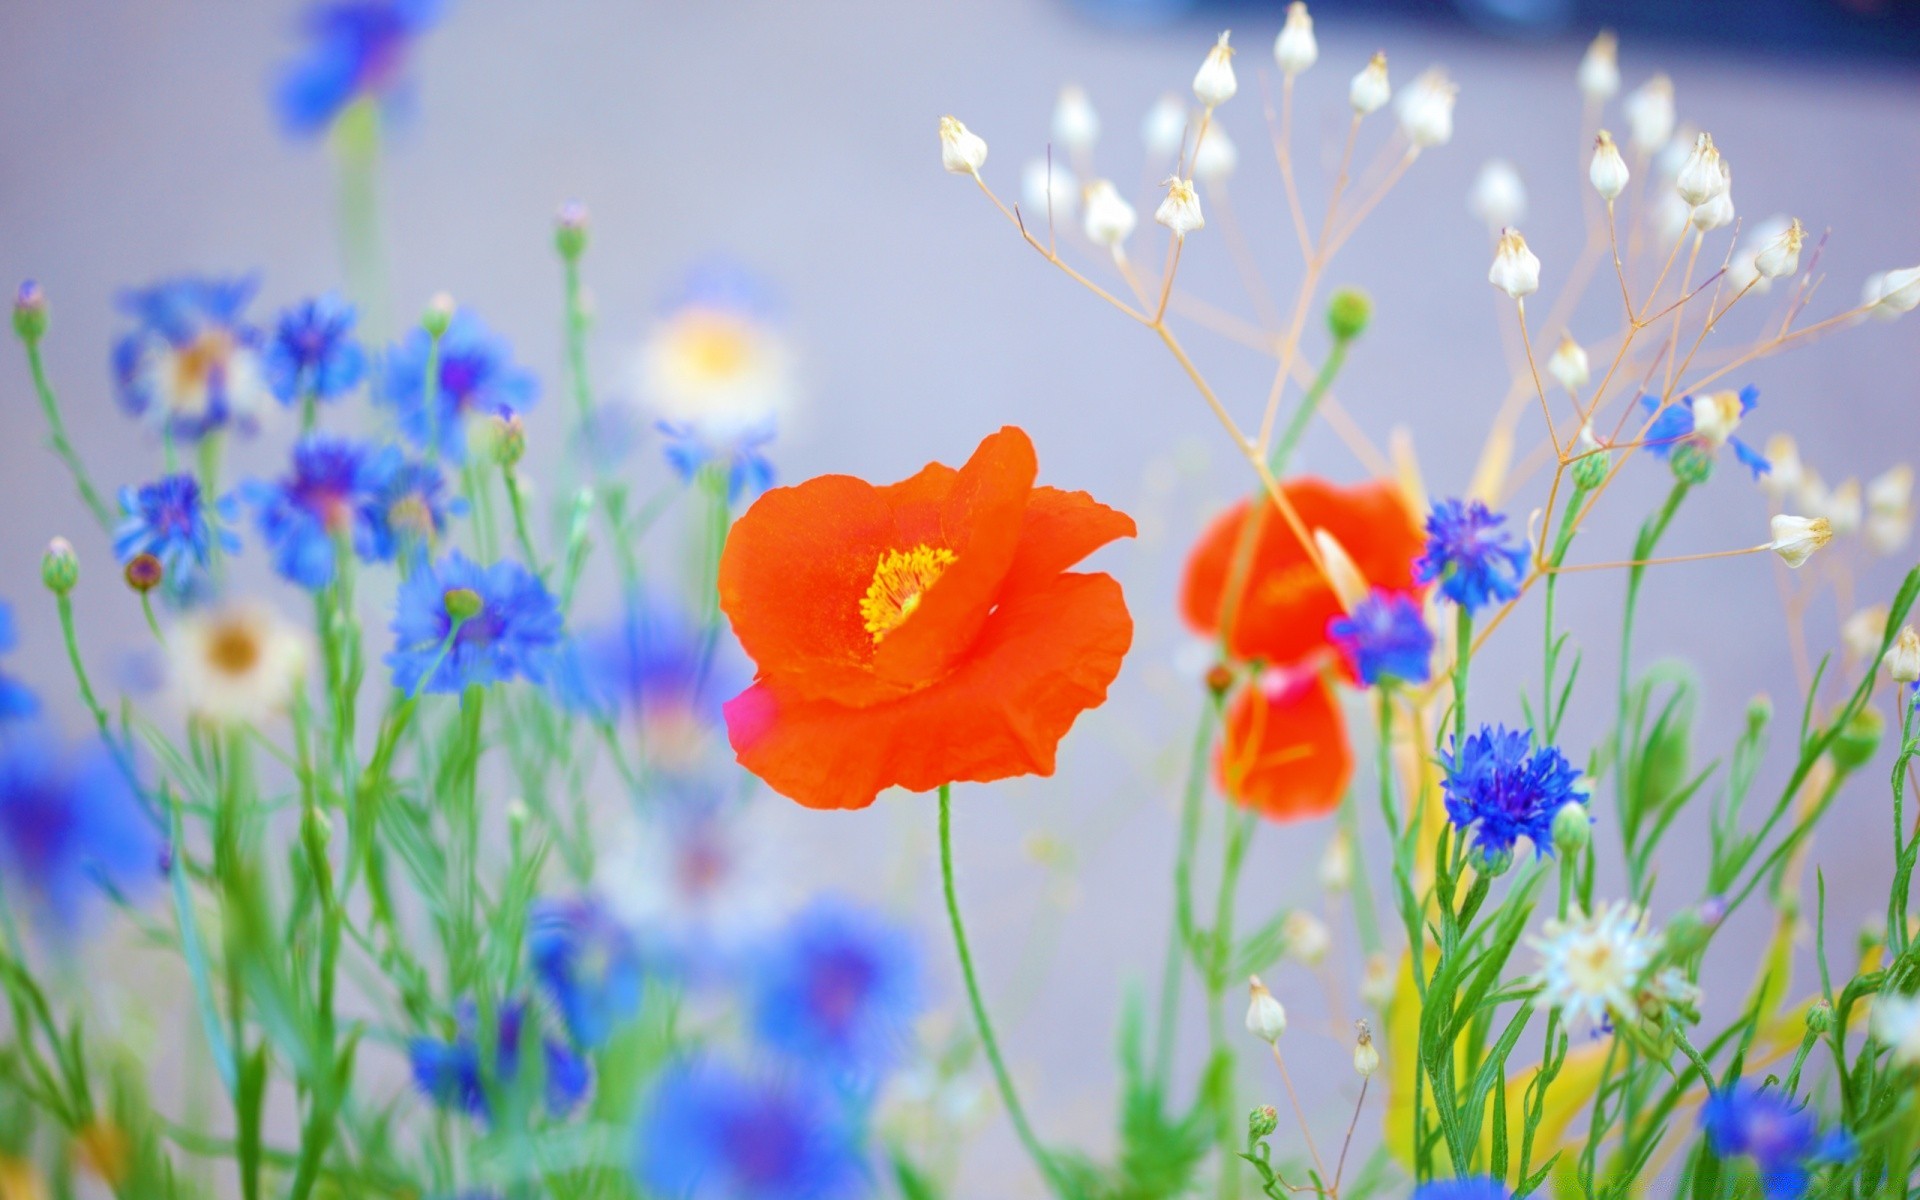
x: 1308, y: 938
x: 1214, y: 83
x: 1516, y: 269
x: 1295, y: 49
x: 1180, y: 211
x: 1600, y: 68
x: 1076, y: 127
x: 1370, y: 91
x: 1569, y: 365
x: 1704, y: 175
x: 1890, y: 509
x: 961, y: 150
x: 1425, y: 108
x: 1796, y: 538
x: 1608, y: 171
x: 1499, y: 196
x: 1366, y: 1059
x: 1743, y: 269
x: 1903, y: 657
x: 1649, y: 113
x: 1716, y: 213
x: 1049, y: 189
x: 1165, y: 126
x: 1891, y: 293
x: 1266, y: 1020
x: 1108, y: 219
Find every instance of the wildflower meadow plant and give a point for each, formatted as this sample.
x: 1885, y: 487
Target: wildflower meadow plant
x: 455, y: 823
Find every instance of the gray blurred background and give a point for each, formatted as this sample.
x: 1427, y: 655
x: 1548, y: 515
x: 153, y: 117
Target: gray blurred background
x: 136, y: 141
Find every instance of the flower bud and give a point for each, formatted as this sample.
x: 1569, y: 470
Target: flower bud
x: 1692, y: 463
x: 1366, y: 1059
x: 1649, y: 113
x: 1336, y: 863
x: 1687, y: 933
x: 1295, y: 49
x: 1572, y: 828
x: 1348, y: 312
x: 1049, y: 190
x: 1180, y: 211
x: 509, y: 438
x: 1261, y: 1122
x: 1377, y: 982
x: 1214, y: 84
x: 1215, y: 158
x: 1861, y: 632
x: 1075, y: 125
x: 1590, y: 469
x: 1704, y: 175
x: 1819, y: 1017
x: 1890, y: 509
x: 1600, y: 68
x: 1569, y: 365
x: 1425, y: 109
x: 1608, y: 171
x: 1499, y: 197
x: 1491, y: 861
x: 1370, y: 91
x: 1108, y: 219
x: 1716, y: 213
x: 1781, y: 256
x: 1796, y: 538
x: 30, y: 312
x: 1308, y: 938
x: 1843, y: 508
x: 144, y: 573
x: 1899, y: 291
x: 462, y: 604
x: 570, y: 229
x: 1515, y: 270
x: 1783, y: 454
x: 1266, y: 1020
x: 1165, y: 126
x: 60, y: 567
x: 1858, y: 739
x: 1219, y: 679
x: 962, y: 151
x: 439, y: 315
x: 1903, y: 657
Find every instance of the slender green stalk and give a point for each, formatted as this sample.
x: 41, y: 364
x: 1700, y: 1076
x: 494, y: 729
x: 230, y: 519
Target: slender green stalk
x: 57, y: 438
x: 1238, y: 836
x: 1180, y: 937
x: 1462, y: 658
x: 1309, y: 404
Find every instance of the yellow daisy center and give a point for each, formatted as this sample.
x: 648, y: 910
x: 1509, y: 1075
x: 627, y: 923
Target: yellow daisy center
x: 899, y: 580
x: 234, y: 649
x: 716, y: 349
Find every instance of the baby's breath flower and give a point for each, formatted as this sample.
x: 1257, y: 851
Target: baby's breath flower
x: 1717, y: 212
x: 1862, y: 631
x: 1377, y: 981
x: 1600, y: 67
x: 1704, y: 175
x: 1890, y: 508
x: 1165, y: 126
x: 1366, y: 1059
x: 1895, y: 1024
x: 1049, y: 189
x: 1266, y: 1020
x: 1108, y: 219
x: 1336, y: 863
x: 1781, y: 256
x: 1895, y: 291
x: 1216, y: 157
x: 1844, y: 508
x: 1499, y: 197
x: 962, y: 151
x: 1308, y: 938
x: 1180, y: 211
x: 1569, y: 366
x: 1214, y: 84
x: 1370, y: 91
x: 1608, y: 171
x: 1075, y: 125
x: 1295, y: 49
x: 1903, y: 659
x: 1796, y: 538
x: 1516, y: 269
x: 1784, y: 455
x: 1591, y: 964
x: 1649, y: 113
x: 1425, y: 108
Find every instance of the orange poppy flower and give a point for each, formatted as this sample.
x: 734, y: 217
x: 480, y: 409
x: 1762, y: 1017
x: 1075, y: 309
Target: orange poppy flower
x: 1285, y: 753
x: 920, y: 633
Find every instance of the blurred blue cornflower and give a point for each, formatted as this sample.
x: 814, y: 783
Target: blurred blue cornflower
x: 1386, y: 636
x: 1783, y: 1139
x: 512, y: 632
x: 17, y: 700
x: 838, y: 990
x: 589, y: 964
x: 1467, y: 1187
x: 1501, y: 789
x: 356, y: 49
x: 407, y: 506
x: 191, y: 365
x: 70, y: 823
x: 1470, y: 556
x: 1706, y: 422
x: 323, y: 504
x: 313, y: 351
x: 173, y: 521
x: 712, y: 1133
x: 741, y: 455
x: 659, y: 666
x: 452, y: 1075
x: 477, y: 377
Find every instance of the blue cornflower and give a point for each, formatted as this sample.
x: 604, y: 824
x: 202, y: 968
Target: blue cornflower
x: 407, y: 506
x: 1470, y: 555
x: 590, y: 965
x: 1386, y: 636
x: 325, y: 501
x: 1498, y: 786
x: 313, y: 352
x: 837, y: 990
x: 711, y: 1133
x: 16, y: 699
x: 192, y: 364
x: 741, y: 455
x: 358, y: 48
x: 513, y: 633
x: 477, y: 378
x: 452, y: 1075
x: 1468, y: 1187
x: 1683, y: 422
x: 172, y: 520
x: 659, y: 666
x: 69, y: 823
x: 1783, y: 1139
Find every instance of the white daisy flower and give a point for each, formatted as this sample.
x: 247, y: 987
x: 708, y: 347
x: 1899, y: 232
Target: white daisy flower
x: 237, y: 665
x: 1591, y: 964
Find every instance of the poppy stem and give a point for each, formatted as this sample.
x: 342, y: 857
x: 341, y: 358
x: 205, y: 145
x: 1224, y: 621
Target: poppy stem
x: 981, y: 1023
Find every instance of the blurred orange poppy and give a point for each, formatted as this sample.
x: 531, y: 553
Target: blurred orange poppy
x: 1285, y: 752
x: 919, y: 633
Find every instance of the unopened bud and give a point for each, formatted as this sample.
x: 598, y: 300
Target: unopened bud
x: 1295, y: 49
x: 1858, y: 739
x: 1499, y: 196
x: 1261, y: 1122
x: 462, y: 604
x: 1572, y: 828
x: 1569, y: 365
x: 1214, y: 84
x: 1348, y: 312
x: 144, y: 572
x: 1781, y: 256
x: 1608, y: 171
x: 1649, y: 113
x: 30, y: 312
x: 1366, y: 1059
x: 1266, y: 1020
x: 1600, y: 67
x: 509, y: 437
x: 570, y: 229
x: 1219, y: 678
x: 1903, y: 658
x: 1704, y: 175
x: 1796, y: 538
x: 962, y: 151
x: 1308, y: 938
x: 1897, y: 291
x: 1180, y: 211
x: 1107, y: 218
x: 60, y: 567
x: 1370, y: 90
x: 438, y: 316
x: 1425, y: 109
x: 1336, y: 863
x: 1378, y: 980
x: 1516, y: 269
x: 1075, y: 125
x: 1819, y: 1017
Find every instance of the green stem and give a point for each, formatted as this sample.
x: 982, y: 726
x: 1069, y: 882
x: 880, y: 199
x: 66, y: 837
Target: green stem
x: 1239, y: 834
x: 516, y: 501
x: 982, y: 1024
x: 1309, y: 404
x: 1462, y: 657
x: 577, y: 340
x: 1180, y: 936
x: 57, y: 438
x: 357, y: 134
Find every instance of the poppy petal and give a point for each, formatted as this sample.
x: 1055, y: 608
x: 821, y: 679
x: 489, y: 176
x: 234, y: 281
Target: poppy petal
x: 1285, y: 752
x: 1059, y: 530
x: 1043, y: 657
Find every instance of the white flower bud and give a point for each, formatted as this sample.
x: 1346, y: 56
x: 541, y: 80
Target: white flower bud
x: 1796, y: 538
x: 1049, y: 189
x: 1872, y: 293
x: 1890, y: 509
x: 1336, y: 863
x: 1216, y: 157
x: 1266, y: 1020
x: 1214, y: 84
x: 1903, y: 657
x: 1783, y: 456
x: 1600, y: 67
x: 1295, y: 49
x: 1499, y: 197
x: 1425, y: 108
x: 1108, y: 219
x: 1308, y: 938
x: 1715, y: 416
x: 1569, y: 366
x: 1716, y: 213
x: 1781, y: 256
x: 1075, y: 125
x: 1899, y: 291
x: 1862, y: 631
x: 1608, y: 171
x: 1366, y: 1059
x: 1165, y: 126
x: 1704, y: 175
x: 961, y: 150
x: 1649, y: 113
x: 1180, y: 211
x: 1515, y: 270
x: 1369, y: 91
x: 1673, y: 155
x: 1378, y: 981
x: 1844, y: 508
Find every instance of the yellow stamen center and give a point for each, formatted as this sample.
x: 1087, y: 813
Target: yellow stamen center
x: 234, y: 649
x: 715, y: 347
x: 899, y: 580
